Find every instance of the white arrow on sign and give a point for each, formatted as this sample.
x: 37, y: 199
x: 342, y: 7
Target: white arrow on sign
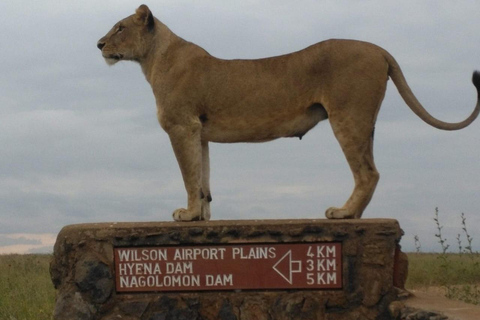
x: 286, y: 267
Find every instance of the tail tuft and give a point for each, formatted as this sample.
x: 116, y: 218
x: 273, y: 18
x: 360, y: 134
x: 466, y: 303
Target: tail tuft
x: 476, y: 81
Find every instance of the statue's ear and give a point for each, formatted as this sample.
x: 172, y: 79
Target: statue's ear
x: 143, y: 16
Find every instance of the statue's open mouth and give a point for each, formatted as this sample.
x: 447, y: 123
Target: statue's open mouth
x: 113, y: 58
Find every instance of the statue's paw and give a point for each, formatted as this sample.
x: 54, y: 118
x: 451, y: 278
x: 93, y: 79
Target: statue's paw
x: 185, y: 215
x: 205, y: 210
x: 338, y: 213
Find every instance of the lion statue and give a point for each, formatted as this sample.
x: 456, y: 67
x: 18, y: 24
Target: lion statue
x: 202, y: 99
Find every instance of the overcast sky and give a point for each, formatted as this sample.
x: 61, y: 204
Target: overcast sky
x: 80, y: 140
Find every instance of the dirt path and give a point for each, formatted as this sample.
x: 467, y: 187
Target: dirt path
x: 434, y: 300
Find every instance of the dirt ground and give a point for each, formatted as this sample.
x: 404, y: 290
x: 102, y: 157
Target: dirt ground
x: 433, y: 299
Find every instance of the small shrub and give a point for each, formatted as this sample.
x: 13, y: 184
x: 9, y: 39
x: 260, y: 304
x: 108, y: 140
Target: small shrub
x: 465, y: 267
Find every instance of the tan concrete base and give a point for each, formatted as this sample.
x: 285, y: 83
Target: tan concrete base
x: 83, y: 271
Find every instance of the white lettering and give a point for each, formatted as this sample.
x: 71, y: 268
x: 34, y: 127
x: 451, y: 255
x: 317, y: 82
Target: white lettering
x: 154, y: 254
x: 331, y: 265
x: 179, y: 267
x: 219, y: 280
x: 235, y: 252
x: 133, y: 255
x: 332, y: 278
x: 197, y: 253
x: 310, y: 279
x: 122, y: 269
x: 272, y: 253
x: 310, y: 253
x: 133, y: 282
x: 326, y: 278
x: 331, y: 251
x: 124, y: 282
x: 310, y: 264
x: 159, y: 281
x: 320, y: 253
x: 323, y: 278
x: 128, y: 255
x: 254, y: 253
x: 325, y: 251
x: 138, y: 268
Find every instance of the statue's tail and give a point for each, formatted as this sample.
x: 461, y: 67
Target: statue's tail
x: 398, y: 79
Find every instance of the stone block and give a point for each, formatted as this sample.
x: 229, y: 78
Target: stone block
x: 86, y: 270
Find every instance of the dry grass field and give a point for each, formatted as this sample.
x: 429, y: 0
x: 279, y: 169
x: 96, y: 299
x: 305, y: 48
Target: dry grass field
x: 26, y: 292
x: 458, y: 275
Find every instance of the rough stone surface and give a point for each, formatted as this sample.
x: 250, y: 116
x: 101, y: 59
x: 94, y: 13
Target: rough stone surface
x: 82, y: 271
x: 400, y: 272
x: 417, y: 314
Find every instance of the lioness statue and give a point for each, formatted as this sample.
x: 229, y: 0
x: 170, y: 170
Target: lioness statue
x: 202, y: 99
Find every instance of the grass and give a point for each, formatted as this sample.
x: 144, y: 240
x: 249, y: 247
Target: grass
x: 426, y: 270
x: 26, y: 291
x: 457, y: 273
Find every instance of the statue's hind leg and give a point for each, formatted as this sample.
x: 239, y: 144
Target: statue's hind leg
x: 352, y: 117
x: 353, y: 123
x: 357, y: 145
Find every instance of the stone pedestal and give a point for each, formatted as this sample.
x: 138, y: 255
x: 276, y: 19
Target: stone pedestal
x: 86, y: 272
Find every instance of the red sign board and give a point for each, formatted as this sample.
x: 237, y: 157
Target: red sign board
x: 229, y: 267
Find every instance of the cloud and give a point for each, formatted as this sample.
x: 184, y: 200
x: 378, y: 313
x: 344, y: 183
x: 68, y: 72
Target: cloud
x: 8, y: 241
x: 81, y: 143
x: 26, y: 243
